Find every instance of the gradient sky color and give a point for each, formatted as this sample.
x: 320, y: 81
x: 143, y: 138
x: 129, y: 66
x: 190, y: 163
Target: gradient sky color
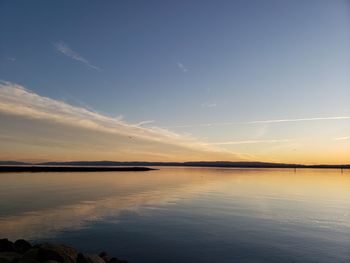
x: 204, y: 80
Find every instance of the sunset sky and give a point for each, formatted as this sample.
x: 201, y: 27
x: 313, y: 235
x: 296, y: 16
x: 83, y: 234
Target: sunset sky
x: 175, y: 80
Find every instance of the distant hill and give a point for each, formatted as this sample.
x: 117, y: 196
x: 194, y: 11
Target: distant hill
x: 182, y: 164
x: 196, y: 164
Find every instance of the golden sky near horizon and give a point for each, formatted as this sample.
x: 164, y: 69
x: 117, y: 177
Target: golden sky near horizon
x: 37, y: 128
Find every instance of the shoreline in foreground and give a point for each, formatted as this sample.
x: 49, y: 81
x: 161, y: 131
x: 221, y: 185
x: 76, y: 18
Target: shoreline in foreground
x: 22, y: 251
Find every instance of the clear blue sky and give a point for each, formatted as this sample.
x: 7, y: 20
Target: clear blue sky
x: 186, y: 63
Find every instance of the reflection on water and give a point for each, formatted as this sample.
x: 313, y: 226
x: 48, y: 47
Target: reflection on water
x: 185, y: 214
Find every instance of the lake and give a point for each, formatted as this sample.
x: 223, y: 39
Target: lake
x: 185, y: 214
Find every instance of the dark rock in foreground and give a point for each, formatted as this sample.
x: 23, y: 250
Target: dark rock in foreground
x: 22, y: 251
x: 72, y: 169
x: 22, y: 246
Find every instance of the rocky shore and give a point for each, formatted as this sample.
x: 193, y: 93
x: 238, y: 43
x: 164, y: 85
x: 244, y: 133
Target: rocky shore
x: 22, y: 251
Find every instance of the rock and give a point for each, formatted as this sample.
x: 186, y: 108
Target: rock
x: 104, y: 256
x: 116, y: 260
x: 27, y: 260
x: 48, y: 254
x: 81, y: 258
x: 6, y: 245
x: 23, y: 252
x: 59, y: 253
x: 51, y: 261
x: 9, y: 257
x: 31, y: 254
x: 89, y: 258
x: 22, y: 246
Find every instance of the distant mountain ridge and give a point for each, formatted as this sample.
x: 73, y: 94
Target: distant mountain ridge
x: 183, y: 164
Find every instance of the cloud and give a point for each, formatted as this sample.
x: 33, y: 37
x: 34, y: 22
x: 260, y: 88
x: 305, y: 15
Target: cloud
x: 67, y: 51
x: 141, y: 123
x: 182, y: 67
x: 209, y: 105
x: 340, y: 138
x: 250, y: 142
x: 301, y: 119
x: 262, y: 122
x: 58, y: 124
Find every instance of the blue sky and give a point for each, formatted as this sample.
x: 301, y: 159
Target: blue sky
x: 187, y: 63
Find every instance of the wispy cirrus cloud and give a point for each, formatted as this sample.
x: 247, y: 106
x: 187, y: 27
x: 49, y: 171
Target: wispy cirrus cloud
x: 302, y: 119
x: 341, y: 138
x: 262, y: 121
x: 118, y: 140
x: 11, y: 59
x: 141, y: 123
x: 209, y: 105
x: 250, y: 142
x: 67, y: 51
x: 182, y: 67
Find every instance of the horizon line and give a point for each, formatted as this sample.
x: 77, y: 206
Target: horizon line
x: 174, y: 162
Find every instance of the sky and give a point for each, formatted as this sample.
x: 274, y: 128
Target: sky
x: 175, y: 80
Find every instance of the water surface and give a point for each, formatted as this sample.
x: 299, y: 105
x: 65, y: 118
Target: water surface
x: 185, y: 214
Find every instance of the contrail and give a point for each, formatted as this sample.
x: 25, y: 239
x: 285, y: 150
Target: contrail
x: 303, y: 119
x: 261, y: 122
x: 249, y: 142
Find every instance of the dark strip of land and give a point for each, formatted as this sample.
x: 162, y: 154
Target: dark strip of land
x: 71, y: 169
x: 144, y: 165
x: 217, y: 164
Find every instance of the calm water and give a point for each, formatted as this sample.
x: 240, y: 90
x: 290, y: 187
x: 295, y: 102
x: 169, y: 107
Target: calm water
x: 185, y: 214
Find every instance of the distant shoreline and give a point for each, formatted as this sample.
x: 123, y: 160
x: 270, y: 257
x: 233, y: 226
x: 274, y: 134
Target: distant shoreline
x: 108, y: 166
x: 24, y: 168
